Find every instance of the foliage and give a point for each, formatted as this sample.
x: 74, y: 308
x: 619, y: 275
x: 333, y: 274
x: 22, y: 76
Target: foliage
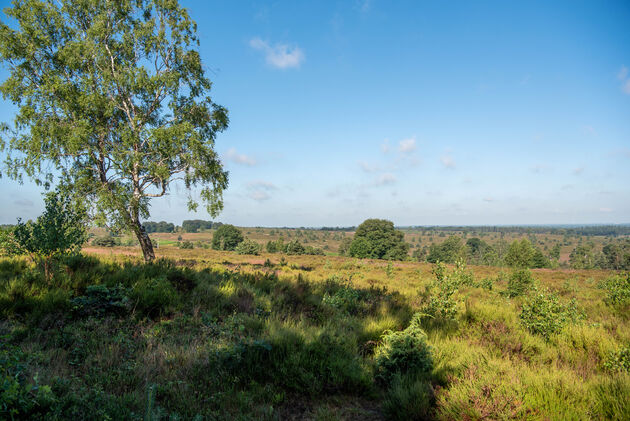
x: 617, y: 255
x: 521, y: 255
x: 118, y: 94
x: 617, y: 290
x: 294, y: 247
x: 19, y: 398
x: 543, y: 314
x: 448, y: 251
x: 161, y: 226
x: 105, y: 241
x: 519, y: 283
x: 377, y: 239
x: 59, y: 231
x: 344, y: 247
x: 583, y: 257
x: 226, y: 237
x: 195, y: 225
x: 618, y: 360
x: 403, y: 353
x: 99, y: 300
x: 187, y: 245
x: 248, y: 247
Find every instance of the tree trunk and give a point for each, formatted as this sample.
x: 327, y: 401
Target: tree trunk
x: 145, y: 242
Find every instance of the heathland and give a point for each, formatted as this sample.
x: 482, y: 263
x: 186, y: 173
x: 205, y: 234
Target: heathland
x: 208, y: 334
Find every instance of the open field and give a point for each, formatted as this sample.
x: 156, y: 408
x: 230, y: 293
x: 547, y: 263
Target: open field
x: 216, y: 335
x: 329, y: 241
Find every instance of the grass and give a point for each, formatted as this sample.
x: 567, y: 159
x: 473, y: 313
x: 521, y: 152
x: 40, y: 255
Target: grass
x: 202, y: 334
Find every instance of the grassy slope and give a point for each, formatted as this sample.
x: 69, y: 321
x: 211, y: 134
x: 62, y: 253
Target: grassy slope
x: 222, y: 336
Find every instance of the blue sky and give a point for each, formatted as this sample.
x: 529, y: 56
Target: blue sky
x: 424, y: 113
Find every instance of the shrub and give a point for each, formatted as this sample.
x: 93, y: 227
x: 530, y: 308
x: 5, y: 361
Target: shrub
x: 100, y: 300
x: 248, y: 247
x: 295, y: 247
x: 617, y: 290
x: 521, y: 280
x: 187, y: 245
x: 153, y: 296
x: 105, y: 241
x: 543, y: 314
x: 59, y: 231
x: 19, y: 398
x: 377, y: 239
x: 618, y: 361
x: 226, y: 237
x: 403, y: 353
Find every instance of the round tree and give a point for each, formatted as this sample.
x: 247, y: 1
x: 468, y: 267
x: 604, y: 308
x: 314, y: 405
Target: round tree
x: 226, y: 237
x: 112, y: 101
x: 377, y: 239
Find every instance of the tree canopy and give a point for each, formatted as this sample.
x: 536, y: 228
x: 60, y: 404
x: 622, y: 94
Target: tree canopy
x: 226, y: 237
x: 112, y: 104
x: 377, y: 239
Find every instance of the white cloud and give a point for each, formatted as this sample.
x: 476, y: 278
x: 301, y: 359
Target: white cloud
x: 366, y: 167
x: 385, y: 179
x: 259, y: 195
x: 280, y: 56
x: 407, y: 145
x: 385, y: 146
x: 488, y: 199
x: 605, y: 210
x: 242, y: 159
x: 579, y: 170
x: 625, y: 87
x: 261, y: 184
x: 623, y: 73
x: 448, y: 162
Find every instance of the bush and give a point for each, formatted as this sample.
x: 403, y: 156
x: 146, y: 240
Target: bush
x: 105, y: 241
x: 19, y: 398
x: 403, y: 353
x: 59, y: 231
x: 187, y: 245
x: 100, y: 300
x: 153, y: 297
x: 226, y: 237
x: 543, y: 314
x: 617, y: 290
x: 618, y: 361
x: 521, y: 281
x: 248, y: 247
x: 377, y: 239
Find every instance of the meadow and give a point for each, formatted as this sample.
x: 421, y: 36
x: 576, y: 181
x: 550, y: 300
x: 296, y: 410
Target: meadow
x: 205, y: 334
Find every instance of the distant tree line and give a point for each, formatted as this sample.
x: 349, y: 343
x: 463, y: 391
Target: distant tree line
x: 161, y: 226
x: 292, y: 247
x: 588, y: 230
x: 194, y: 225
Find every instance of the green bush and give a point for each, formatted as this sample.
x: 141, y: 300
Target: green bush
x: 617, y: 290
x: 100, y: 300
x: 543, y: 314
x: 20, y: 398
x: 153, y: 297
x: 226, y: 237
x: 618, y: 361
x: 520, y: 282
x: 248, y: 247
x: 187, y: 245
x: 403, y: 353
